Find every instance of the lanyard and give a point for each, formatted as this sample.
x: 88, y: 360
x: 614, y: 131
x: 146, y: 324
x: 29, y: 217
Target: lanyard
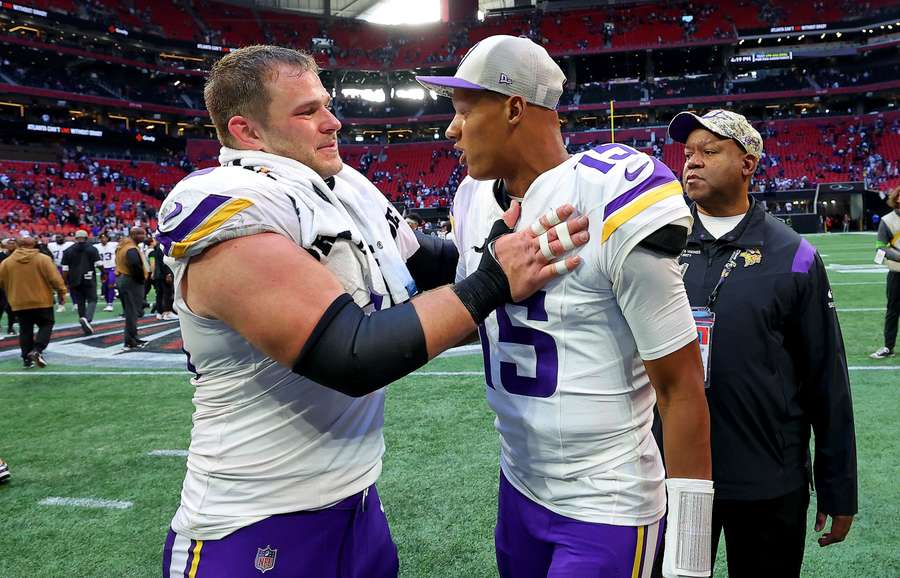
x: 726, y: 271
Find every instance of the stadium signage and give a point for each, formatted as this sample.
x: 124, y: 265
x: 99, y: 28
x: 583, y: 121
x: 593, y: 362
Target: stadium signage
x: 848, y: 187
x: 144, y: 138
x: 117, y: 30
x: 23, y: 9
x: 214, y: 48
x: 798, y: 28
x: 763, y: 57
x: 64, y: 130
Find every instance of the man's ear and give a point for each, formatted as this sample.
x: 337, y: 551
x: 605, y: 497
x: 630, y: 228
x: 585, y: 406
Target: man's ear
x: 244, y: 133
x: 515, y: 109
x: 748, y: 167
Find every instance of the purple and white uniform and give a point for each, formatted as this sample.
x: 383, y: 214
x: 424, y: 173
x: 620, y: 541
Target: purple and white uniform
x: 564, y: 368
x: 276, y: 462
x: 108, y: 258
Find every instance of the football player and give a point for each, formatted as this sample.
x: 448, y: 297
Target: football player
x: 294, y: 279
x: 569, y: 370
x: 57, y: 247
x: 107, y: 250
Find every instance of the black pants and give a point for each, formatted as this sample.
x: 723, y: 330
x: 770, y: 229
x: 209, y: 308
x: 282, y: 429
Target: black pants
x: 85, y: 298
x: 28, y: 318
x: 5, y: 308
x: 763, y: 538
x: 893, y: 310
x: 165, y: 296
x: 131, y: 293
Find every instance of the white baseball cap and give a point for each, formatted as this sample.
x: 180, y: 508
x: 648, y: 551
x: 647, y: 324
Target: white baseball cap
x: 510, y: 65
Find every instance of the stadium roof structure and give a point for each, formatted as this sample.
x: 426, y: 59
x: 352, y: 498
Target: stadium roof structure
x: 345, y: 8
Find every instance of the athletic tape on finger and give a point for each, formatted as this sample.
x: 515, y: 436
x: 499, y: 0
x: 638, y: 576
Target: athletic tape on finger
x: 544, y: 242
x: 552, y: 219
x: 562, y: 231
x: 560, y: 267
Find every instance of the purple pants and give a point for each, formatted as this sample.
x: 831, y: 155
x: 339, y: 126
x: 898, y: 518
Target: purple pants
x: 533, y: 542
x: 348, y: 540
x: 109, y: 285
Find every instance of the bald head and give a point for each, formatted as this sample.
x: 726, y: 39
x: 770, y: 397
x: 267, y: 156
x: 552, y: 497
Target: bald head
x: 137, y: 234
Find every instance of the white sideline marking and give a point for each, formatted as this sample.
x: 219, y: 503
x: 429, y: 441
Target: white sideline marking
x: 168, y: 453
x: 874, y: 367
x: 859, y: 283
x: 86, y: 503
x: 39, y: 371
x: 859, y: 309
x: 444, y: 373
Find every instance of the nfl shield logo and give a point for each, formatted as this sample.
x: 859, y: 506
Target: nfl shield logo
x: 265, y: 559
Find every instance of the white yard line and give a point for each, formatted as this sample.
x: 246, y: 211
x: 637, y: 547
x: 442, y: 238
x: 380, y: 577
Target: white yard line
x: 168, y: 453
x: 86, y: 503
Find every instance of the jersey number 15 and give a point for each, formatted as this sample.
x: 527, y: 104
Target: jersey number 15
x: 543, y: 384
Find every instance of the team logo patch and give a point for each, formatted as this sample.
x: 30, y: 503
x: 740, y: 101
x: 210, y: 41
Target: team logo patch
x: 265, y: 559
x: 504, y: 79
x: 751, y: 257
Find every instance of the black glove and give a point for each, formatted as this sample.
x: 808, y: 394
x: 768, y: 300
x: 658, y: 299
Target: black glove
x: 487, y: 288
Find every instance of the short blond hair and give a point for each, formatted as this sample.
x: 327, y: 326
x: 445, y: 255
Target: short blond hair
x: 238, y: 83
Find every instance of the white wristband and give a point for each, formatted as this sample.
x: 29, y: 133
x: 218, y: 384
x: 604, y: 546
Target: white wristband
x: 688, y: 528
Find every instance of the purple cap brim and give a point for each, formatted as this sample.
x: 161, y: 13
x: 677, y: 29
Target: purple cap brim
x: 447, y: 82
x: 682, y: 125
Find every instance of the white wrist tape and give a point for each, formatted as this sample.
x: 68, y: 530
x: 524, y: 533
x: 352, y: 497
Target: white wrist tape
x: 688, y: 528
x: 552, y: 219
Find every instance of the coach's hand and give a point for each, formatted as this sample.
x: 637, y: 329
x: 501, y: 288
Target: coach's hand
x: 528, y: 257
x: 840, y: 527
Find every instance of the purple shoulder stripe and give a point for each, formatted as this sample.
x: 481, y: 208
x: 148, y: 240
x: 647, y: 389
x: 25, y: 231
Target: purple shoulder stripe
x: 197, y: 173
x: 803, y: 258
x: 661, y: 176
x: 204, y: 209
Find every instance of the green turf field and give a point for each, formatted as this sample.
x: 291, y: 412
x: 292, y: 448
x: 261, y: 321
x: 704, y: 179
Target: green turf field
x: 88, y: 436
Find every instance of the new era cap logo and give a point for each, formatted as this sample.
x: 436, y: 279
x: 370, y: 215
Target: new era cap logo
x: 504, y: 79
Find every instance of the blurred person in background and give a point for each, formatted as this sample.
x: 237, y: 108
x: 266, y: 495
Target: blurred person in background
x: 888, y: 254
x: 132, y: 271
x: 79, y: 264
x: 29, y: 279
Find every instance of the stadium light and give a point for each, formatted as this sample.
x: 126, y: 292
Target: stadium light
x: 436, y: 135
x: 742, y: 41
x: 801, y: 37
x: 177, y: 82
x: 480, y: 15
x: 779, y: 39
x: 824, y: 34
x: 759, y: 41
x: 839, y: 34
x: 359, y: 138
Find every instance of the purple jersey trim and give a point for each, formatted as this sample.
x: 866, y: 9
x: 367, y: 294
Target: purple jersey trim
x: 661, y: 176
x: 204, y: 209
x: 803, y: 258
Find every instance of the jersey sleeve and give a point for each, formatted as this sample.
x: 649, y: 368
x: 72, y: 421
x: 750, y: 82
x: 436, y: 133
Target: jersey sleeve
x: 650, y: 291
x: 459, y: 219
x: 192, y: 220
x: 641, y: 195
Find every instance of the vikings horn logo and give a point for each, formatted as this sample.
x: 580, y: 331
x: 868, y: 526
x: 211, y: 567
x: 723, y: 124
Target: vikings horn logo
x: 751, y: 257
x: 265, y: 559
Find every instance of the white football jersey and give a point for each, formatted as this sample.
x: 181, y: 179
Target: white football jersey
x: 265, y: 440
x: 57, y: 250
x: 107, y: 254
x: 563, y: 368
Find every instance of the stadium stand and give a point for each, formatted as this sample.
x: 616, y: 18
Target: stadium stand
x: 827, y: 117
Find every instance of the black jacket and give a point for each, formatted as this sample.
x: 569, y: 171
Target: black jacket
x: 81, y: 259
x: 777, y: 365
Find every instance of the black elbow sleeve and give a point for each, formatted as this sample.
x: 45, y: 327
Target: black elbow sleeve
x: 434, y: 264
x: 669, y: 240
x: 356, y: 354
